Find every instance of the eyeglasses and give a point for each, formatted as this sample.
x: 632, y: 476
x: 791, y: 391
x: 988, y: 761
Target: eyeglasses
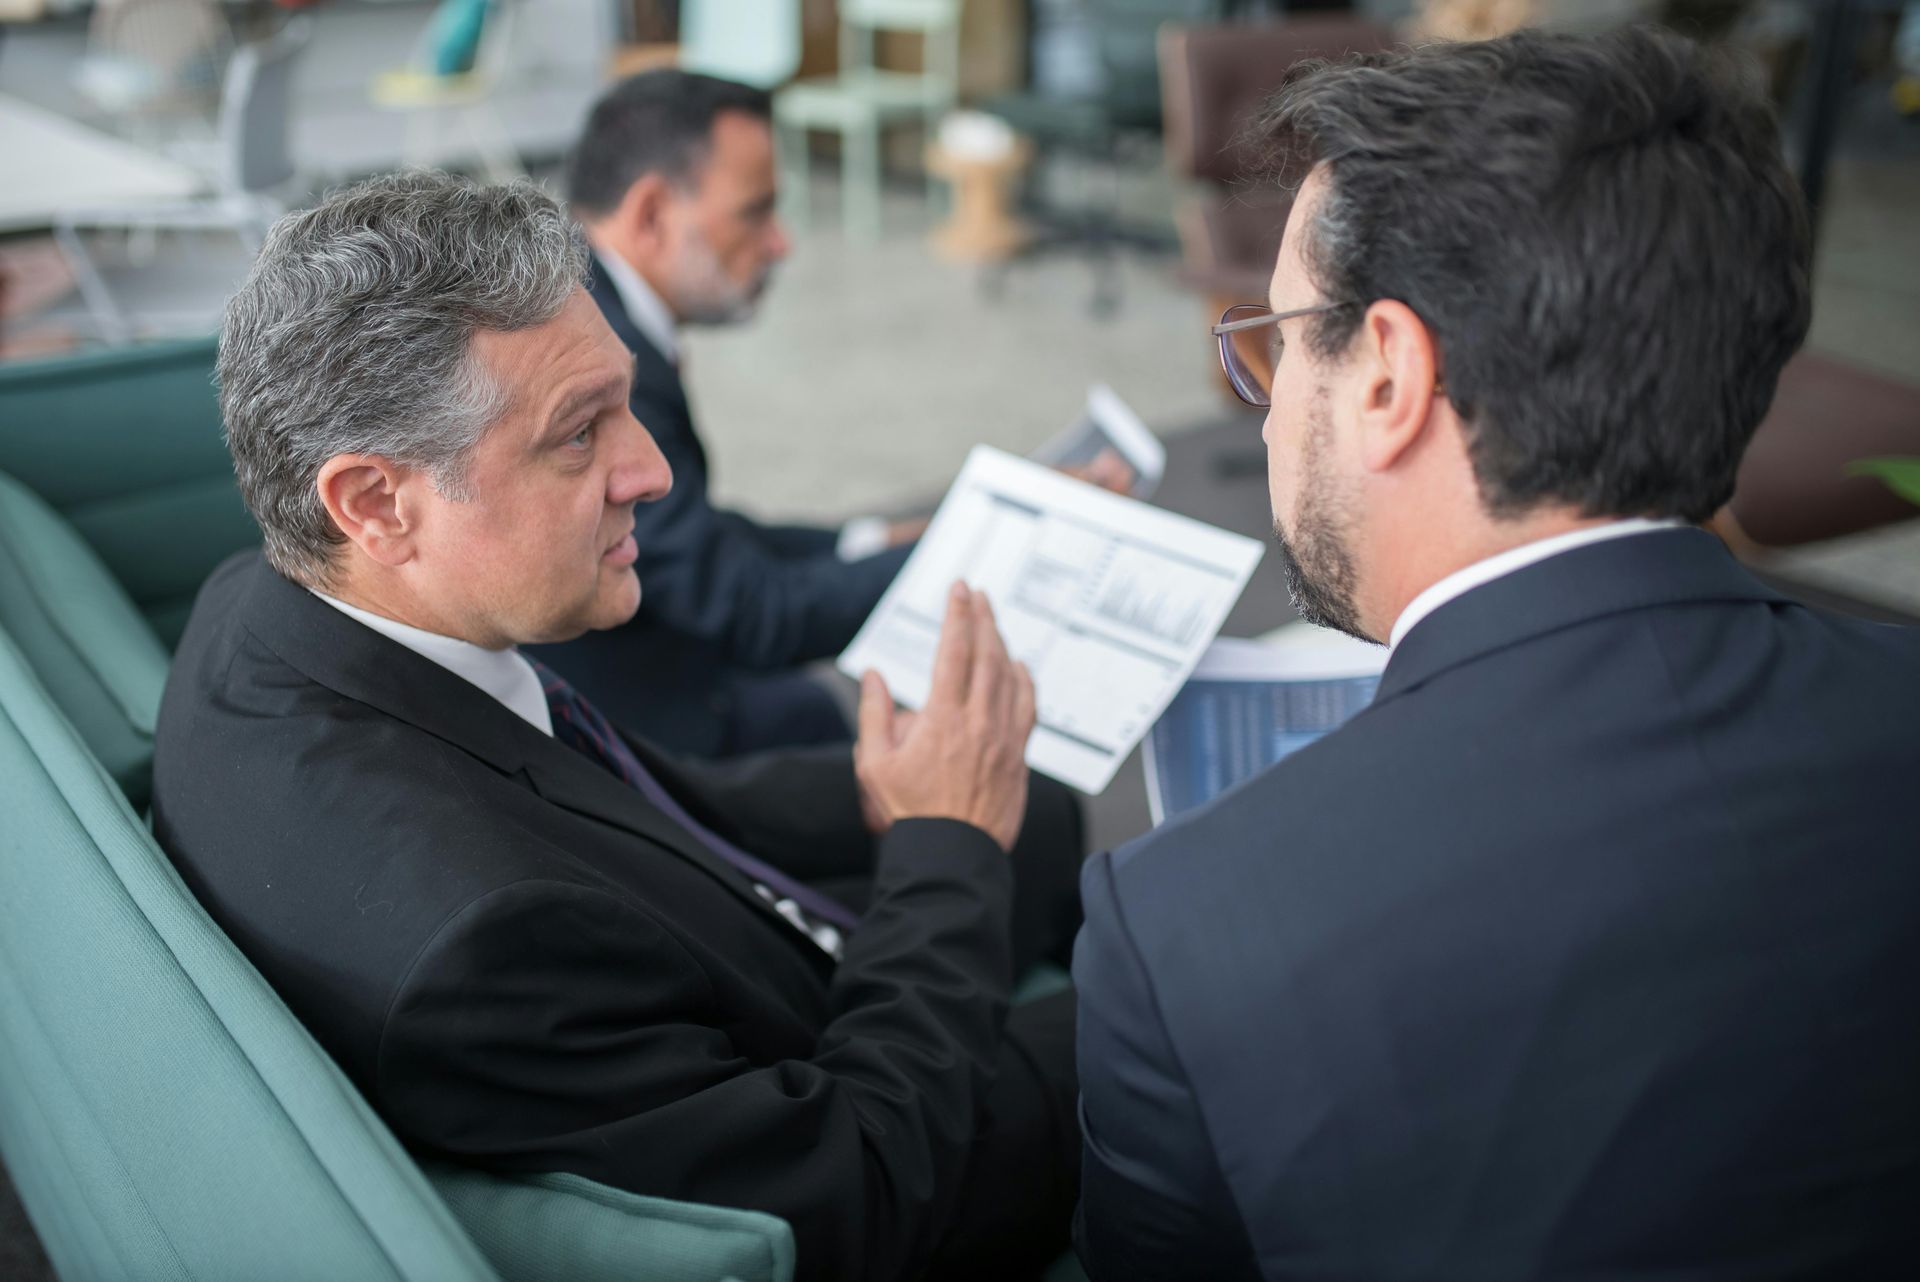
x: 1249, y: 384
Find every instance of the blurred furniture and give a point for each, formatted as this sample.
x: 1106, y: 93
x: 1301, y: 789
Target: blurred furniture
x: 756, y: 42
x: 450, y: 83
x: 162, y: 1115
x: 1087, y: 128
x: 981, y: 227
x: 1213, y: 81
x: 125, y: 444
x: 152, y: 65
x: 253, y: 163
x: 53, y: 163
x: 1794, y: 486
x: 34, y: 275
x: 862, y: 99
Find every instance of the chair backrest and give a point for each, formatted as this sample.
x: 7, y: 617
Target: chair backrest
x: 254, y: 107
x: 1124, y: 34
x: 496, y: 41
x: 98, y: 658
x: 161, y: 1113
x: 1213, y: 78
x: 125, y: 443
x: 937, y: 21
x: 466, y: 38
x: 756, y: 42
x: 158, y: 54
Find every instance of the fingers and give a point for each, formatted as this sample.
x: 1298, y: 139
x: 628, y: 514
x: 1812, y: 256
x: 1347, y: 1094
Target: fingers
x: 990, y: 662
x: 876, y: 713
x: 1025, y: 704
x: 953, y: 660
x: 1111, y: 472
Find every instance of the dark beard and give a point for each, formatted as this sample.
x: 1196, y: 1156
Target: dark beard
x: 1318, y: 565
x: 1324, y: 595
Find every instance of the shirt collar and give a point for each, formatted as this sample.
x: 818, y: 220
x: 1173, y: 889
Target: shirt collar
x: 1501, y: 564
x: 644, y: 308
x: 504, y: 674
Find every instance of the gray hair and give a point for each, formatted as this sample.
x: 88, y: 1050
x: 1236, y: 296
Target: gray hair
x: 353, y: 334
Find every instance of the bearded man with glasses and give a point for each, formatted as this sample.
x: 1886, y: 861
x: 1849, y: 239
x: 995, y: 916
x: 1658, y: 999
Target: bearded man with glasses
x: 1587, y: 950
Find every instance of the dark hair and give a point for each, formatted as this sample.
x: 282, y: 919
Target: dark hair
x: 1599, y: 231
x: 658, y: 122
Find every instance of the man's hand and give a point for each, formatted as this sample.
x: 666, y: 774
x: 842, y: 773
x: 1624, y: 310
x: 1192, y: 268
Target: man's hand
x: 1108, y: 471
x: 963, y: 756
x: 908, y: 530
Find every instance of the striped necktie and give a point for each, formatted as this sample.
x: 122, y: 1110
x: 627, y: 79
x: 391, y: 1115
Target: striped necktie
x: 580, y: 726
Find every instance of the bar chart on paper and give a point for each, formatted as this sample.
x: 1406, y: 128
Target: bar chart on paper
x: 1108, y: 601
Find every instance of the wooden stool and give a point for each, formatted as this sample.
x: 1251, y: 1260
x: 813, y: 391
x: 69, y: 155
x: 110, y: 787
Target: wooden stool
x: 982, y: 228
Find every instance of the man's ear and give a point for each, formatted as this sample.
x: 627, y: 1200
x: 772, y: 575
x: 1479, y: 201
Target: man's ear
x: 369, y: 497
x: 1394, y: 352
x: 642, y: 214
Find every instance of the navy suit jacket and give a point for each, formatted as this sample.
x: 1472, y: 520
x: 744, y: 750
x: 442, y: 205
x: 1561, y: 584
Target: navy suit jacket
x: 1589, y: 950
x: 721, y: 595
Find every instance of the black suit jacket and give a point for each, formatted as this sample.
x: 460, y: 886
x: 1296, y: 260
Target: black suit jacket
x: 721, y: 594
x: 1590, y: 950
x: 526, y: 966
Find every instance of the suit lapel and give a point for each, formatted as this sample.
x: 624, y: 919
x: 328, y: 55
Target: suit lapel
x: 358, y: 663
x: 1632, y: 572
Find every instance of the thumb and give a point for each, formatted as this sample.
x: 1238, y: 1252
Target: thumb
x: 876, y: 713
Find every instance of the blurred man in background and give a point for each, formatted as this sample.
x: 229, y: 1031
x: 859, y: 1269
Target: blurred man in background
x: 1588, y: 949
x: 674, y: 180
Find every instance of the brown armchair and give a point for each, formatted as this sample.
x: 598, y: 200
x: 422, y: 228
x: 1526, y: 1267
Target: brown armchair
x: 1213, y: 80
x: 1794, y: 486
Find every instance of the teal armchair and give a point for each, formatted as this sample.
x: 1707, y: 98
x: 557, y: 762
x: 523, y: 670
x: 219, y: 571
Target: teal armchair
x: 125, y: 444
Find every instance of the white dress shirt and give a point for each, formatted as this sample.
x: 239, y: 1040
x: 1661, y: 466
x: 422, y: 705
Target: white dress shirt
x: 648, y: 312
x: 504, y: 674
x: 1501, y: 564
x: 859, y: 538
x: 509, y: 677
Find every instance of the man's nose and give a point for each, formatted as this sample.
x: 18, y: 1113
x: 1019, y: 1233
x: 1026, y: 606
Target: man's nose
x: 642, y: 474
x: 779, y: 244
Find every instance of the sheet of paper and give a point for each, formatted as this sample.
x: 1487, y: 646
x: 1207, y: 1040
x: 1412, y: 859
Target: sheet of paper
x: 1109, y: 423
x: 1107, y: 601
x: 1247, y: 705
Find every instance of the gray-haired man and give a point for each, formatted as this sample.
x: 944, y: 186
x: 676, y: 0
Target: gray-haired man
x: 536, y: 943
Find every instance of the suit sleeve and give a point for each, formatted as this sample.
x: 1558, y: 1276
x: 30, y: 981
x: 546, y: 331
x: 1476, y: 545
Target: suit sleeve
x: 1153, y: 1202
x: 551, y: 1026
x: 744, y: 590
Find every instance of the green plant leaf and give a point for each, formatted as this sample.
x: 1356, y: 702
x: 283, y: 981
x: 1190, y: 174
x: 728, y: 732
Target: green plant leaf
x: 1902, y: 475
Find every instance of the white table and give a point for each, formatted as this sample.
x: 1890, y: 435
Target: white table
x: 49, y: 163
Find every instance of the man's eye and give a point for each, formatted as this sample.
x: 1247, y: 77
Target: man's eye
x: 1276, y: 345
x: 583, y: 437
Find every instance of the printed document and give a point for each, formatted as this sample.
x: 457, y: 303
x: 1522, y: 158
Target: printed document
x: 1250, y: 703
x: 1109, y: 602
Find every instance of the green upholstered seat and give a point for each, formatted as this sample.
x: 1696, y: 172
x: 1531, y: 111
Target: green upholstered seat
x: 89, y: 645
x: 125, y: 443
x: 162, y: 1114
